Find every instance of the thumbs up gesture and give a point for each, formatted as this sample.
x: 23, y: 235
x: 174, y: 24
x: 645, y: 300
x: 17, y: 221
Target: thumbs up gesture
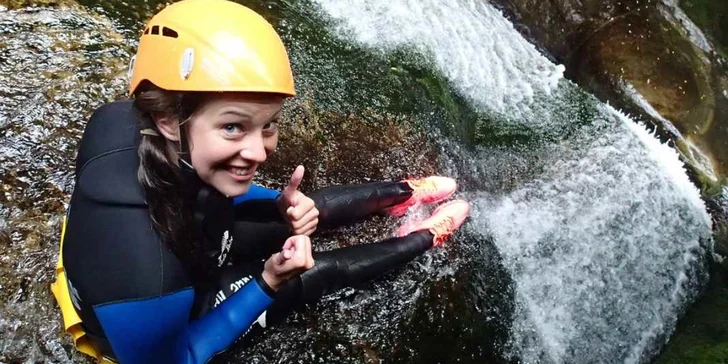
x: 297, y: 208
x: 294, y: 259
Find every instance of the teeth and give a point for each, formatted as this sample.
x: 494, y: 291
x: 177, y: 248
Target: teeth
x: 239, y: 171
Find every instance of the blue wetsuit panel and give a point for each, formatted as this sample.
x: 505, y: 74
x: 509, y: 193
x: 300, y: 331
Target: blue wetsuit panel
x: 157, y: 330
x: 256, y: 192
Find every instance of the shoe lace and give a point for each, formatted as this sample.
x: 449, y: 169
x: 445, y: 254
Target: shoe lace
x: 443, y: 229
x: 423, y: 184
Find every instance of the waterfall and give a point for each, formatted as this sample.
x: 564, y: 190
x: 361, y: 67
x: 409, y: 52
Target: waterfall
x: 605, y: 241
x: 597, y: 227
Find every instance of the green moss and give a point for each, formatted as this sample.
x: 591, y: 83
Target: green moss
x: 17, y: 4
x: 702, y: 334
x: 459, y: 117
x: 399, y: 82
x: 712, y: 17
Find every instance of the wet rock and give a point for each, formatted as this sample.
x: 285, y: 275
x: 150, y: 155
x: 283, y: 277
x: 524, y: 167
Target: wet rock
x: 712, y: 18
x: 702, y: 336
x: 647, y: 58
x: 43, y: 109
x: 345, y: 149
x: 17, y: 4
x: 719, y: 206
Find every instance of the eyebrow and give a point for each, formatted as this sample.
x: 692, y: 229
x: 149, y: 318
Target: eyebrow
x: 235, y: 112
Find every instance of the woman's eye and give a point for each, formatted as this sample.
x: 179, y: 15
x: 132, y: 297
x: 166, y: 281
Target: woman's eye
x: 273, y: 125
x: 231, y: 128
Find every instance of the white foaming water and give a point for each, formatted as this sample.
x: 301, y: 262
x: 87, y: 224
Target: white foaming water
x: 469, y: 41
x: 601, y: 248
x: 604, y: 245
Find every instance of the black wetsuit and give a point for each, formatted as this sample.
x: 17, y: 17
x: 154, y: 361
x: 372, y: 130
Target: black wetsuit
x: 137, y: 300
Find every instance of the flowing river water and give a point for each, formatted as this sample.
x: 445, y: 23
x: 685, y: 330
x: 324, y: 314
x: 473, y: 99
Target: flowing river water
x: 586, y: 241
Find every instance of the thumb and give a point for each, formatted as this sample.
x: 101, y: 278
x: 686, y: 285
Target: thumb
x: 278, y: 258
x: 293, y: 184
x: 289, y: 248
x: 287, y: 254
x: 281, y: 257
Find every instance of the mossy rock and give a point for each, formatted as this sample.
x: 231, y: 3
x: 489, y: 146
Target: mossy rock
x: 712, y: 17
x: 607, y: 45
x: 702, y: 335
x: 18, y: 4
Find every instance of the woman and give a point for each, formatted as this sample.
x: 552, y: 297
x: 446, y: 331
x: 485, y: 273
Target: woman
x: 158, y: 264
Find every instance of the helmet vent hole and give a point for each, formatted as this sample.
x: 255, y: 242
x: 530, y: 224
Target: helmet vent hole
x: 169, y: 32
x: 146, y: 30
x: 155, y: 30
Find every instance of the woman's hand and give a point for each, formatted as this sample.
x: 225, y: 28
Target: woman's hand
x: 294, y: 259
x: 299, y: 210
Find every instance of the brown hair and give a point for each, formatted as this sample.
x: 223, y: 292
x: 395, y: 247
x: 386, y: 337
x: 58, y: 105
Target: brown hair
x: 160, y: 177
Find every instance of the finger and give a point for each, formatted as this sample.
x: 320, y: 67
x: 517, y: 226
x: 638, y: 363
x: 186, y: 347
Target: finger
x: 308, y: 228
x: 305, y: 220
x: 305, y: 211
x: 309, y: 259
x: 292, y: 247
x: 309, y: 232
x: 295, y: 261
x: 303, y: 230
x: 290, y: 243
x: 295, y: 213
x: 301, y: 207
x: 294, y: 182
x: 300, y: 243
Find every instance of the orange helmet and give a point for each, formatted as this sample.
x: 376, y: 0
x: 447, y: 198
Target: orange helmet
x: 211, y: 45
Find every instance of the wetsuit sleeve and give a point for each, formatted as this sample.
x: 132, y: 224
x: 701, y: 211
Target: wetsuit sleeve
x: 157, y: 330
x: 256, y: 192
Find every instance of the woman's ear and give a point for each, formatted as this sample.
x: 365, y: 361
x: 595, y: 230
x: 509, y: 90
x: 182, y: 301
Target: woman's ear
x: 167, y: 125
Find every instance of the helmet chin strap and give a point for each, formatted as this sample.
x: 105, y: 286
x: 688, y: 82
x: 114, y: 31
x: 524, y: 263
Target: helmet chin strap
x: 185, y: 163
x: 213, y: 211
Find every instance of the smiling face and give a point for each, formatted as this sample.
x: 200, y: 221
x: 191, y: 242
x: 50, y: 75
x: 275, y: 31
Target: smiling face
x: 230, y: 135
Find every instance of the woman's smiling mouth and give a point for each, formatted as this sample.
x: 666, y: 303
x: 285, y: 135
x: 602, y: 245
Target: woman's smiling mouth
x: 241, y: 173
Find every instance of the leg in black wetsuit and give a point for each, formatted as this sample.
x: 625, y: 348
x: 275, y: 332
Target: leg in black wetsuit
x: 343, y: 205
x: 261, y: 231
x: 333, y: 270
x: 346, y: 267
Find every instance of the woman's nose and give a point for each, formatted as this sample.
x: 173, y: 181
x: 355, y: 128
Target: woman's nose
x: 254, y: 148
